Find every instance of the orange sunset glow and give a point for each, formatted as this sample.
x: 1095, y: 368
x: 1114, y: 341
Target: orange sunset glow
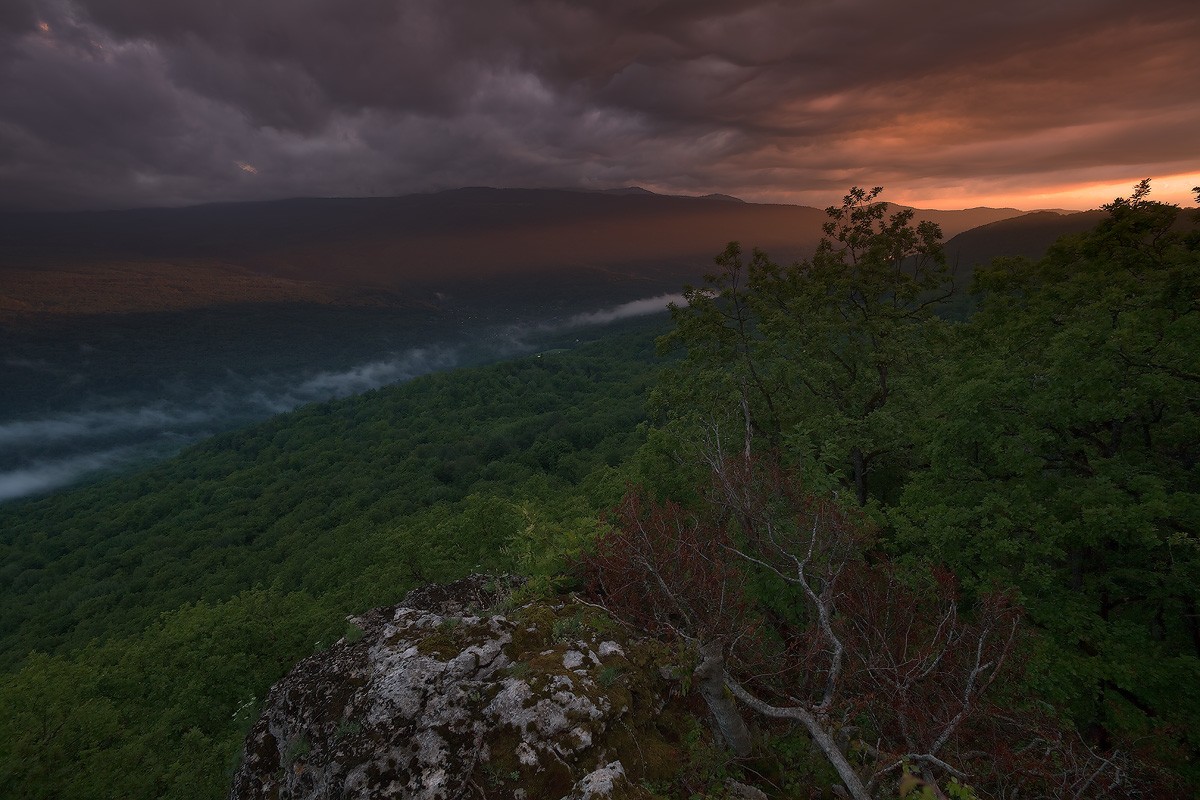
x: 947, y: 105
x: 1069, y: 195
x: 1175, y: 189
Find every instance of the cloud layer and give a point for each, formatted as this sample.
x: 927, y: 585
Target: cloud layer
x: 56, y: 450
x: 109, y: 103
x: 634, y: 308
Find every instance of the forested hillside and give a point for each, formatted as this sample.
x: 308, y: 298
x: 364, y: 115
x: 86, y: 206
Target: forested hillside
x: 169, y: 600
x: 875, y: 460
x: 961, y: 555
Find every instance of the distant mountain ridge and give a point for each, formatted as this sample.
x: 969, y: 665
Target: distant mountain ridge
x: 1028, y: 235
x: 407, y: 249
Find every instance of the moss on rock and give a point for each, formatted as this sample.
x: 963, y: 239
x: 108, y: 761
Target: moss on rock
x: 428, y: 704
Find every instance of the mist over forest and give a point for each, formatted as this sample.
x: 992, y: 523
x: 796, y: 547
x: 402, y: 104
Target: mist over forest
x: 131, y: 334
x: 81, y: 419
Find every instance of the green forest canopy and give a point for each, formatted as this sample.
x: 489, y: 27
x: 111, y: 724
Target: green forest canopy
x: 1050, y: 444
x: 162, y: 605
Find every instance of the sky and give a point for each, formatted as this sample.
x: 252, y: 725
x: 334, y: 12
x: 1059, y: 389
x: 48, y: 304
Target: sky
x: 947, y: 104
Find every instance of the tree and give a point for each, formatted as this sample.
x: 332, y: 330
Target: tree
x: 668, y: 572
x: 829, y: 357
x: 868, y: 663
x: 1064, y: 450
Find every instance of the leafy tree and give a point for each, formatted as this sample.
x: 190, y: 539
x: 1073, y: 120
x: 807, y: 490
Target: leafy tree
x: 886, y: 669
x: 1064, y: 458
x: 827, y: 359
x: 1050, y: 444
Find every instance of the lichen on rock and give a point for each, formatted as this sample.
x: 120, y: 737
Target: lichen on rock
x: 442, y: 697
x: 608, y: 782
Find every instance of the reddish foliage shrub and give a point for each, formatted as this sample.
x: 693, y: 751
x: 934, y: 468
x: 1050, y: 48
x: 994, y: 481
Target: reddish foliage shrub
x: 886, y: 665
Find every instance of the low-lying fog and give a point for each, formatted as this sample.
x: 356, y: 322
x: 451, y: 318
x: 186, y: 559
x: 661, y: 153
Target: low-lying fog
x: 61, y: 446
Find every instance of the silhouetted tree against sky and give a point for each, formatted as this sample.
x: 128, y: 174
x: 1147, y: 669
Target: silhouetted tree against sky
x: 831, y: 356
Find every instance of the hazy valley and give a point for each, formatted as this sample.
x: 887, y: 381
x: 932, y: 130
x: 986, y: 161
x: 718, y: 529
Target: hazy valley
x: 130, y: 334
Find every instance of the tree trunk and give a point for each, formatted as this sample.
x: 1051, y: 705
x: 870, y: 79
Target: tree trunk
x: 823, y: 739
x: 710, y: 680
x: 1193, y: 622
x: 860, y: 475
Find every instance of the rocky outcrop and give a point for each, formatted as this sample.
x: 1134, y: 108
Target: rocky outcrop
x: 450, y: 695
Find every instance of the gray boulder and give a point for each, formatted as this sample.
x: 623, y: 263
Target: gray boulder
x: 442, y: 696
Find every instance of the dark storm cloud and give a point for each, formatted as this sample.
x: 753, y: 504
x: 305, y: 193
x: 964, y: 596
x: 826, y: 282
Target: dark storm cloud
x: 126, y: 102
x: 16, y: 17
